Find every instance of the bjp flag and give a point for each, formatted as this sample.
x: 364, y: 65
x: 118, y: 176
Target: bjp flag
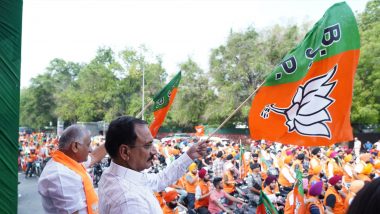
x: 200, y: 131
x: 307, y: 98
x: 162, y: 102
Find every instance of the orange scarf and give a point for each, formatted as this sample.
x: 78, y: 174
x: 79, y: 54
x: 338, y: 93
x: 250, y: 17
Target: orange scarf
x: 91, y: 197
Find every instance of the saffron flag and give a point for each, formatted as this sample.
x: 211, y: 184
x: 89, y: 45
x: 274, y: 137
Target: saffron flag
x: 162, y: 102
x: 199, y: 131
x: 265, y: 206
x: 307, y: 98
x: 299, y: 206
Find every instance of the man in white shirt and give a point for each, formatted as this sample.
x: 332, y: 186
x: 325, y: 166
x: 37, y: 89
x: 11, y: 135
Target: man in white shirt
x: 123, y: 187
x: 377, y: 145
x: 357, y: 146
x: 287, y: 175
x: 61, y: 187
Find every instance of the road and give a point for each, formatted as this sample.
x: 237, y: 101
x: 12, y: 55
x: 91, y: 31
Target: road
x: 30, y: 200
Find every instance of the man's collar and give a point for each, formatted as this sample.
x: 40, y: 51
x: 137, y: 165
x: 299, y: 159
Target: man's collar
x: 129, y: 174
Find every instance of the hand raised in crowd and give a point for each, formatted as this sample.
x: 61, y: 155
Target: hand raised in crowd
x: 197, y: 150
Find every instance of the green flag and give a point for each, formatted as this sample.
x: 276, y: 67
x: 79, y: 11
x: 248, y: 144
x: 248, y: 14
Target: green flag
x: 162, y: 102
x: 265, y: 206
x: 10, y: 62
x: 298, y: 194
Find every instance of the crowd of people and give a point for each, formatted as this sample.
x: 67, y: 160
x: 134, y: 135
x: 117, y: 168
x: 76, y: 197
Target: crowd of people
x: 332, y: 176
x: 186, y: 176
x: 38, y: 147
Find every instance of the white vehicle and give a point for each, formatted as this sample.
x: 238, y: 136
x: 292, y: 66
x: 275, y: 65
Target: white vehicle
x: 215, y: 140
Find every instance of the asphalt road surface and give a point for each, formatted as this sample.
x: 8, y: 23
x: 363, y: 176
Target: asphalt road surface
x: 29, y: 201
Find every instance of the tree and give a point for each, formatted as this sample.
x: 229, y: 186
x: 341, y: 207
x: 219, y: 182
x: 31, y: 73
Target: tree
x: 37, y: 103
x: 366, y: 100
x: 192, y: 97
x: 130, y: 87
x: 238, y: 67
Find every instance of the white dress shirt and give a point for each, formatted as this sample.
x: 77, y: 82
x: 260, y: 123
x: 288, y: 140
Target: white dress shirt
x: 61, y: 189
x: 122, y: 190
x: 288, y: 174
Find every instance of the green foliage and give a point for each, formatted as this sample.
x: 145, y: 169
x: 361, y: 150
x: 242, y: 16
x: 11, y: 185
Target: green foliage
x: 100, y: 90
x: 192, y: 97
x: 366, y: 100
x: 238, y: 67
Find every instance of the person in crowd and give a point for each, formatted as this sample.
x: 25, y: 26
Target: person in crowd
x: 334, y: 198
x: 270, y: 188
x: 357, y: 146
x: 333, y: 167
x: 314, y: 195
x: 179, y: 186
x: 349, y: 173
x: 316, y: 174
x: 124, y: 186
x: 202, y: 192
x: 355, y: 187
x: 287, y: 175
x: 31, y: 157
x: 368, y: 146
x: 64, y: 185
x: 364, y: 159
x: 254, y: 182
x: 191, y: 182
x: 216, y: 205
x: 377, y: 145
x: 218, y: 164
x: 228, y: 178
x: 255, y: 157
x: 315, y: 159
x: 171, y: 204
x: 298, y: 163
x: 365, y: 174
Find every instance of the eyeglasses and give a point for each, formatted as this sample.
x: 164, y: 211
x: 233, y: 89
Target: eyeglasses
x: 146, y: 146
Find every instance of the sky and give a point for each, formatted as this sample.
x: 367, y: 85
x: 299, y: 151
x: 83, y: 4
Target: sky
x: 174, y: 29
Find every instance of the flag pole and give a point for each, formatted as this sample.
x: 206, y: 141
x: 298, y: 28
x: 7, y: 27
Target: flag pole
x: 144, y: 109
x: 236, y: 110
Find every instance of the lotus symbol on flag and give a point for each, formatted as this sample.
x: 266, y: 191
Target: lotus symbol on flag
x: 308, y: 113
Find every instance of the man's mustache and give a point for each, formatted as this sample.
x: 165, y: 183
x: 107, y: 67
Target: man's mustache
x: 151, y: 158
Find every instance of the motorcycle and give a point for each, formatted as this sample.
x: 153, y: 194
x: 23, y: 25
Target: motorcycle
x: 37, y: 165
x: 242, y: 192
x: 97, y: 173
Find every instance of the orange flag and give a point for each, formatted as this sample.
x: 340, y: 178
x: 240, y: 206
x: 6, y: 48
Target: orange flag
x: 299, y: 206
x: 307, y: 99
x: 162, y: 102
x: 200, y: 131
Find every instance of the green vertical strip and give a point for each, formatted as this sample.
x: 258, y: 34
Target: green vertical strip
x: 299, y: 183
x: 10, y: 63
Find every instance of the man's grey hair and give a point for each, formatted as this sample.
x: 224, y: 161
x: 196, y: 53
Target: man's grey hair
x: 73, y: 133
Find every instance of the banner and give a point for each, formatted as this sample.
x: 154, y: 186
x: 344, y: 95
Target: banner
x: 162, y: 102
x: 10, y: 62
x: 307, y: 99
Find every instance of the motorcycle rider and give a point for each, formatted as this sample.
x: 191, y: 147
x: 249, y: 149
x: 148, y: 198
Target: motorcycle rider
x: 30, y: 160
x: 171, y: 204
x: 202, y: 192
x: 216, y: 206
x: 254, y: 183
